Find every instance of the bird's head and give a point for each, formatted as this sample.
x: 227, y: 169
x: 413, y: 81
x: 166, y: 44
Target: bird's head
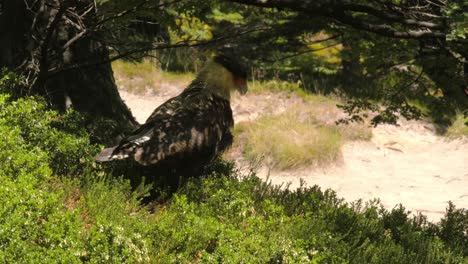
x: 223, y: 75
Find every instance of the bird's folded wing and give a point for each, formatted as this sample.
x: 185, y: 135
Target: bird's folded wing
x: 177, y: 132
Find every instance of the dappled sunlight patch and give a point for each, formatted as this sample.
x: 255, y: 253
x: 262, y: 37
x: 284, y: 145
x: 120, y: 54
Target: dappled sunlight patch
x: 146, y: 76
x: 329, y: 54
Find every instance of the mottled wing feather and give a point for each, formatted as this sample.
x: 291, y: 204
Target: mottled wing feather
x: 163, y: 111
x: 175, y: 103
x: 200, y: 128
x: 192, y: 126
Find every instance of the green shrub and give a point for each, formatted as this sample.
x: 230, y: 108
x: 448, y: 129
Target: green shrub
x: 69, y: 152
x: 11, y: 83
x: 453, y: 228
x: 57, y: 205
x: 34, y: 224
x: 243, y: 220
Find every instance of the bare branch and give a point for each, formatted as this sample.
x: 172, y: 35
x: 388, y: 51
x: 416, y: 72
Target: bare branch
x: 386, y: 30
x: 123, y: 13
x: 73, y: 40
x: 160, y: 46
x: 390, y: 17
x: 86, y: 12
x: 134, y: 9
x: 338, y: 11
x: 50, y: 29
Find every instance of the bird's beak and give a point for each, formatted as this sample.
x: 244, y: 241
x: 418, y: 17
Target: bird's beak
x: 241, y: 85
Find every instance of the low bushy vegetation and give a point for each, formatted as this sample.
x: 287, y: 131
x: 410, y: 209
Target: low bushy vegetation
x: 57, y: 205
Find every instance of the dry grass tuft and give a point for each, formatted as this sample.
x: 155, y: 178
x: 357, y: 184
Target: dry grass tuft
x: 289, y: 140
x: 459, y: 128
x: 355, y: 131
x: 305, y: 134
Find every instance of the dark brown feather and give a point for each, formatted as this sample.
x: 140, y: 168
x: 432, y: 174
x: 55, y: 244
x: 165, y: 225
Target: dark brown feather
x: 187, y: 131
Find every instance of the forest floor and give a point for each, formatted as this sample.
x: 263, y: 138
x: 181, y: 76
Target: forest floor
x: 408, y: 164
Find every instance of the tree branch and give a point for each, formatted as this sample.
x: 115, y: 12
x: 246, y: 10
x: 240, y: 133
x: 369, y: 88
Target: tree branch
x: 44, y: 50
x: 338, y: 11
x: 386, y: 30
x: 134, y: 9
x: 390, y: 17
x: 186, y: 43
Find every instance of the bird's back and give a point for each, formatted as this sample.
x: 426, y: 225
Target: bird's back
x: 187, y: 131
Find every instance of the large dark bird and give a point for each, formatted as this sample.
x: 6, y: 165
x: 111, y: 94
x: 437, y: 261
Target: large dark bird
x: 191, y: 129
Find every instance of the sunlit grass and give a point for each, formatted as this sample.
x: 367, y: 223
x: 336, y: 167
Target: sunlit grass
x: 459, y: 127
x: 258, y: 87
x: 329, y: 55
x: 305, y: 134
x: 290, y: 140
x: 143, y: 76
x: 325, y: 110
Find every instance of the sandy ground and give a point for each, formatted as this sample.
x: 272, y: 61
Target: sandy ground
x: 408, y: 164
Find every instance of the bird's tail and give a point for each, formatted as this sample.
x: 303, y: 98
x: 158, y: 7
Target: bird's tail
x: 105, y: 155
x: 118, y: 152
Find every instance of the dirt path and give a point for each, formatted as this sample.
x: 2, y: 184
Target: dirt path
x: 408, y: 164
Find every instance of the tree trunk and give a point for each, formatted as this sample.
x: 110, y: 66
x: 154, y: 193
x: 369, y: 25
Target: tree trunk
x: 351, y: 75
x: 91, y: 89
x: 12, y: 22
